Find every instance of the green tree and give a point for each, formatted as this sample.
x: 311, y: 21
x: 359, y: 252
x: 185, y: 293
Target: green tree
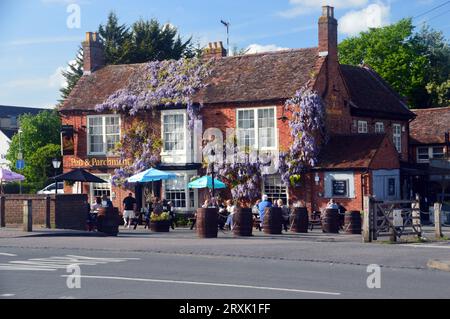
x: 145, y: 41
x: 72, y: 75
x: 392, y: 53
x: 39, y: 169
x: 38, y: 132
x: 116, y: 40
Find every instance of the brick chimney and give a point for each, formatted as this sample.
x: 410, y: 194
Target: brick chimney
x: 215, y: 50
x: 93, y: 53
x: 328, y: 33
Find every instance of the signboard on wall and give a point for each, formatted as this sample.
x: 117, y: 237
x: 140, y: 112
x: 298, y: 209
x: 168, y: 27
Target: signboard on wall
x: 340, y: 188
x: 67, y: 141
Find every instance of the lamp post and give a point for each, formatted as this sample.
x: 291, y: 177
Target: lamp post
x: 213, y: 158
x: 20, y: 157
x: 56, y: 165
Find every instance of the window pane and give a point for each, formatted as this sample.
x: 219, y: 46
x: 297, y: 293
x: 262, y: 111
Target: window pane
x: 174, y: 132
x: 98, y: 190
x: 266, y: 128
x: 438, y: 152
x: 274, y: 188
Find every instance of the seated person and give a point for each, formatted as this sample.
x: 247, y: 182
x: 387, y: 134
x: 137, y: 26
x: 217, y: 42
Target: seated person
x: 265, y: 203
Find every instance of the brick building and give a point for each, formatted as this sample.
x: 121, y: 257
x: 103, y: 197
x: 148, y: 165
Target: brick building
x: 429, y: 169
x: 368, y: 123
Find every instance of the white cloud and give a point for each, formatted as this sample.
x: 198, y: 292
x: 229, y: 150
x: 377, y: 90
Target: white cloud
x: 300, y: 7
x: 258, y: 48
x: 373, y: 16
x: 54, y: 81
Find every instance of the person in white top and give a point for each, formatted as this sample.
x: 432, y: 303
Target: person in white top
x: 232, y: 210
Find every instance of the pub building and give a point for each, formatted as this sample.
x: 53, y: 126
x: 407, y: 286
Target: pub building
x: 366, y: 120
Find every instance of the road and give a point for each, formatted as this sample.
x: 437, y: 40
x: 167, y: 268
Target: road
x: 180, y: 266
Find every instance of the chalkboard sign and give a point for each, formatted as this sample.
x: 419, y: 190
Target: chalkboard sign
x: 340, y: 188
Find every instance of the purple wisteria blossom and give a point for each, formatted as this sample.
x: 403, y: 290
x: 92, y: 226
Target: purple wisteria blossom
x: 307, y: 130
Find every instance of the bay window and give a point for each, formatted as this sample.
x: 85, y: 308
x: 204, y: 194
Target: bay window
x: 103, y: 134
x: 274, y: 188
x: 256, y: 128
x: 177, y: 191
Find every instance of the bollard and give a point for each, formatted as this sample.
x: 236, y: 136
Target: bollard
x: 2, y: 211
x: 437, y: 221
x: 27, y: 216
x: 416, y: 221
x: 367, y: 220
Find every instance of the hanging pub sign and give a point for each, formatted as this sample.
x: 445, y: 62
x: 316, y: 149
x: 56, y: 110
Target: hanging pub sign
x: 67, y: 142
x: 340, y: 188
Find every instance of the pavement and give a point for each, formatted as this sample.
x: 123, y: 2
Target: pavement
x: 142, y: 264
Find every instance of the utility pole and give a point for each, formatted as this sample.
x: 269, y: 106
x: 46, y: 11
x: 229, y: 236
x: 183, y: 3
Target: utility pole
x: 227, y: 25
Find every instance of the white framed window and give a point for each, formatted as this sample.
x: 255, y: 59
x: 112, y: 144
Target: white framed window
x: 275, y: 189
x: 397, y: 136
x: 423, y: 154
x: 256, y: 128
x: 379, y: 127
x: 177, y: 191
x: 362, y: 127
x: 103, y: 134
x: 174, y: 132
x: 98, y: 190
x: 438, y: 152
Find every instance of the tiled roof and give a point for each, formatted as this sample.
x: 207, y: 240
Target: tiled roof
x: 6, y: 111
x: 253, y: 77
x: 430, y: 126
x: 350, y: 151
x: 369, y: 92
x: 9, y: 133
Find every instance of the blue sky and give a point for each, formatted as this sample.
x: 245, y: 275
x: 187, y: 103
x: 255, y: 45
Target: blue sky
x: 36, y: 43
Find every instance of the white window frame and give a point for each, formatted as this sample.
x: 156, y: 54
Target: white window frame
x: 186, y: 132
x: 421, y: 160
x: 276, y: 178
x: 256, y: 127
x: 104, y: 152
x: 379, y: 127
x: 105, y: 177
x: 397, y: 136
x: 186, y: 175
x: 363, y: 127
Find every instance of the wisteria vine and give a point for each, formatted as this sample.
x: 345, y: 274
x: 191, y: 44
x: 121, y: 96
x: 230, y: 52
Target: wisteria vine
x: 307, y: 127
x: 139, y: 144
x: 161, y: 83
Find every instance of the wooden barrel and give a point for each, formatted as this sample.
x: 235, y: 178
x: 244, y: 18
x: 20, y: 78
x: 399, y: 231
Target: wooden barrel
x: 353, y: 222
x: 330, y: 221
x: 207, y: 222
x: 243, y: 222
x: 299, y: 220
x: 108, y: 221
x: 273, y: 221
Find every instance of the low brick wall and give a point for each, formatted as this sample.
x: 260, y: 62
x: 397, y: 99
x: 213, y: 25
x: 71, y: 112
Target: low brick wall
x: 66, y: 212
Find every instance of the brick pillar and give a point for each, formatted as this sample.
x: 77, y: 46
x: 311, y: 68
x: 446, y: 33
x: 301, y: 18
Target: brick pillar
x: 27, y: 216
x: 2, y: 212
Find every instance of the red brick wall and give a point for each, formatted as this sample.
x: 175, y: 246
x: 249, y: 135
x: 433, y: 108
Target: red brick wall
x: 70, y: 211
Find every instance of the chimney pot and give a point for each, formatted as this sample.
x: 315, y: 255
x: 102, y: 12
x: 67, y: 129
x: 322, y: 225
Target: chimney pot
x: 93, y: 53
x: 328, y: 11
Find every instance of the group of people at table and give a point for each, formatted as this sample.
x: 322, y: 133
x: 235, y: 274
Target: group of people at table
x: 227, y: 210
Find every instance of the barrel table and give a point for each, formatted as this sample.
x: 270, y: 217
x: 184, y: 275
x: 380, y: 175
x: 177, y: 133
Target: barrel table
x: 207, y: 222
x: 243, y: 222
x: 273, y: 221
x: 299, y: 220
x: 108, y: 221
x: 353, y: 222
x: 330, y: 221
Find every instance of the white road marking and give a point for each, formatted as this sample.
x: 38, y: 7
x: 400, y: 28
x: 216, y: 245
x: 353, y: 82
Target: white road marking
x: 198, y: 283
x: 54, y: 263
x: 426, y: 246
x: 7, y: 295
x: 7, y: 254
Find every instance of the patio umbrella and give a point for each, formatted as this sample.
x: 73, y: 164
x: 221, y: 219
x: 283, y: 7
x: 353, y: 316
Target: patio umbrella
x: 79, y: 175
x: 207, y: 182
x: 151, y: 175
x: 8, y: 176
